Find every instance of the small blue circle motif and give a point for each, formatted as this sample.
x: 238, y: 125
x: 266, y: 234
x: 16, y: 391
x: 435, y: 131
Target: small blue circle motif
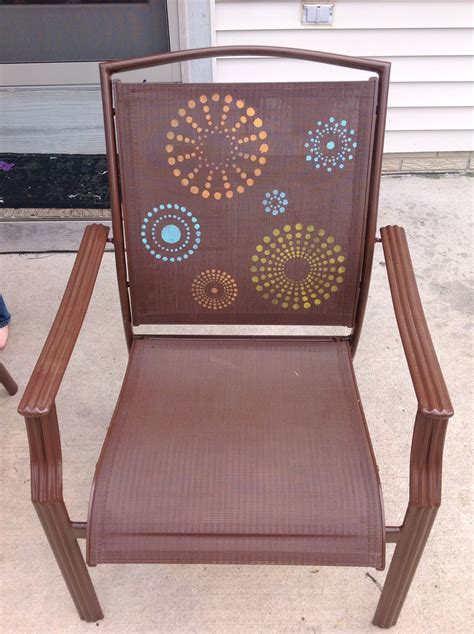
x: 275, y: 202
x: 170, y: 233
x: 331, y: 144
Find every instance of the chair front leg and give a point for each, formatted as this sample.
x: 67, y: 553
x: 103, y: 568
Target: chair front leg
x: 46, y: 494
x: 425, y: 498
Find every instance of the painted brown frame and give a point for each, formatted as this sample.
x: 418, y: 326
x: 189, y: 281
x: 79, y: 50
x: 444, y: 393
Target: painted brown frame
x: 38, y: 406
x: 433, y: 412
x: 380, y: 68
x: 434, y: 406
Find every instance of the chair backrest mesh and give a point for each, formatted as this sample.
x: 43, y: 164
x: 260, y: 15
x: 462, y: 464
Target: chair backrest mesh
x: 245, y: 203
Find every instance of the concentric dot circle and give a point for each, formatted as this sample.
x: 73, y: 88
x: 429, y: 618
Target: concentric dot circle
x: 214, y: 289
x: 331, y: 144
x: 170, y: 233
x: 297, y: 267
x: 275, y: 202
x: 216, y: 146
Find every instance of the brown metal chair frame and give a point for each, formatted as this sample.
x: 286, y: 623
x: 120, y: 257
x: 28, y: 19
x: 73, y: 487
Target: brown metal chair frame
x: 434, y: 406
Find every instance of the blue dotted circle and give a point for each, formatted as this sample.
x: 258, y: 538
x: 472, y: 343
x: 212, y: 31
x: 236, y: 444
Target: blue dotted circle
x: 275, y: 202
x: 331, y: 144
x: 170, y: 233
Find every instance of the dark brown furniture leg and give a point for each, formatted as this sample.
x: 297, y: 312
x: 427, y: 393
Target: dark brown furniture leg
x: 46, y: 493
x: 56, y: 525
x: 39, y: 410
x: 408, y: 551
x: 425, y: 499
x: 7, y: 381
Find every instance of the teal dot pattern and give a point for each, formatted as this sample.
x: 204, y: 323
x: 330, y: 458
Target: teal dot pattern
x: 275, y: 202
x: 331, y: 145
x: 170, y: 233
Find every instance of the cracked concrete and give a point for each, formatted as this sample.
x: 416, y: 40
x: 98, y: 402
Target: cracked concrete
x: 238, y: 599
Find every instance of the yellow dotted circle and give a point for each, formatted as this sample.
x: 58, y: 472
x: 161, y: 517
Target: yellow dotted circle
x: 297, y: 267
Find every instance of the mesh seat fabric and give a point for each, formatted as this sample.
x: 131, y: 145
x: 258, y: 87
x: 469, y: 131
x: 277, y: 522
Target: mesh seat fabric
x: 237, y: 451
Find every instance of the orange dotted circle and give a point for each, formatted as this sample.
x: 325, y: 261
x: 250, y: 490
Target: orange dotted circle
x: 214, y: 289
x: 217, y: 134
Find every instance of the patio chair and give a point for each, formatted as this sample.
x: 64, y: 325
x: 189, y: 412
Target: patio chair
x: 241, y: 203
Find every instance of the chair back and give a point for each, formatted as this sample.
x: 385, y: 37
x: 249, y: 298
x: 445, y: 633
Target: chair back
x: 246, y: 203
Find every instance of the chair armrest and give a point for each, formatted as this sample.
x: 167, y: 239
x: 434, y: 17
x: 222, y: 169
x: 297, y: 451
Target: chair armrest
x: 428, y: 381
x: 38, y: 399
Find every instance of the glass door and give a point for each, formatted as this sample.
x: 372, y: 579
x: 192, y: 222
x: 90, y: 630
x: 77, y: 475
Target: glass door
x: 81, y: 30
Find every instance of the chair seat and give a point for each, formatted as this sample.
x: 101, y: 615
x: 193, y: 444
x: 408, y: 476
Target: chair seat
x: 237, y: 450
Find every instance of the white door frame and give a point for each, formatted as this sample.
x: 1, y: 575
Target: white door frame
x: 87, y: 73
x: 191, y: 25
x: 56, y: 107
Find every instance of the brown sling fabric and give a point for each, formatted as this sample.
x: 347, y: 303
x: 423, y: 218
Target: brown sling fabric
x: 244, y: 203
x: 237, y: 451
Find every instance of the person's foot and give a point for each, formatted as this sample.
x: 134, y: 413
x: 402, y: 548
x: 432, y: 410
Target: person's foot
x: 3, y: 337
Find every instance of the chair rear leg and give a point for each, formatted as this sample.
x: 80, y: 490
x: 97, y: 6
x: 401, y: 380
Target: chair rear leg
x: 55, y: 521
x: 408, y: 551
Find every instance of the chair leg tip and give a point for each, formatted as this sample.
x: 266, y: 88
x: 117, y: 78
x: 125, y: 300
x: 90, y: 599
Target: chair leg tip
x: 93, y: 617
x: 384, y: 624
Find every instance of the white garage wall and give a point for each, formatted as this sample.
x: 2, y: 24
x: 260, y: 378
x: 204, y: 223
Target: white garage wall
x: 428, y: 42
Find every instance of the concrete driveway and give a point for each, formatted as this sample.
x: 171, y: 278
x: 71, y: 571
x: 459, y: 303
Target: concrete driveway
x: 436, y: 212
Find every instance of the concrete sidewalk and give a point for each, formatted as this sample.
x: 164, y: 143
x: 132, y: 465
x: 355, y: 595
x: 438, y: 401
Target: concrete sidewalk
x: 238, y: 599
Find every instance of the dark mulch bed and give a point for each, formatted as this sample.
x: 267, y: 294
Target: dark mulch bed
x: 54, y: 181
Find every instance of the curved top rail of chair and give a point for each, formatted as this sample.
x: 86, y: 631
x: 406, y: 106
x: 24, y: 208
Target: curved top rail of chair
x: 357, y: 63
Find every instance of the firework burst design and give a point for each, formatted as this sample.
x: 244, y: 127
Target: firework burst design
x: 275, y: 202
x: 170, y: 233
x: 297, y: 267
x: 331, y: 145
x: 217, y: 146
x: 214, y: 289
